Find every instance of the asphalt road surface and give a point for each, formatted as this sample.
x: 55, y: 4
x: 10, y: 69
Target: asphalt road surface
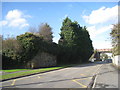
x: 72, y: 77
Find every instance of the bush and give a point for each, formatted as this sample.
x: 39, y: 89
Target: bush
x: 18, y: 52
x: 10, y: 53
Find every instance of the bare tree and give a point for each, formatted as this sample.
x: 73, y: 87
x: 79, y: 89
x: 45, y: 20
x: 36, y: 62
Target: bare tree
x: 32, y: 30
x: 45, y: 31
x: 12, y: 44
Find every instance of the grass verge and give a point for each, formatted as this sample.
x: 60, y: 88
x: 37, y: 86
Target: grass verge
x: 19, y: 74
x: 14, y: 70
x: 33, y: 71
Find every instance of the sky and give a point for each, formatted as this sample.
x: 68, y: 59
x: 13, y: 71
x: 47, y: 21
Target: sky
x: 98, y: 17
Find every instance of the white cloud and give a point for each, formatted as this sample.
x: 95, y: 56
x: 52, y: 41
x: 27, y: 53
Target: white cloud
x: 17, y: 22
x: 2, y: 23
x: 24, y: 25
x: 13, y: 14
x: 104, y: 29
x: 101, y: 44
x: 94, y: 31
x: 27, y: 16
x: 15, y: 18
x: 55, y: 40
x: 102, y: 15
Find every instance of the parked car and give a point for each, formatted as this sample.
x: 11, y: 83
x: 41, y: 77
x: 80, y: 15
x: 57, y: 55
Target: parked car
x: 108, y: 60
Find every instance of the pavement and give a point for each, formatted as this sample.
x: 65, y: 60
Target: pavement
x: 72, y: 77
x: 107, y: 77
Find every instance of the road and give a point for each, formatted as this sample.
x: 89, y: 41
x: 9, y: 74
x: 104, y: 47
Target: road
x: 72, y: 77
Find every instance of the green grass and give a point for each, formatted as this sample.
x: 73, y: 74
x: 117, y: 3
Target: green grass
x: 31, y: 71
x: 14, y: 70
x: 12, y: 75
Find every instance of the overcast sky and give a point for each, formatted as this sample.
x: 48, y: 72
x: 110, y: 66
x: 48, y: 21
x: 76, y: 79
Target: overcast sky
x: 98, y: 17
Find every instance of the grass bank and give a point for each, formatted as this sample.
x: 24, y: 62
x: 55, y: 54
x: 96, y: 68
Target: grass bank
x: 24, y: 73
x: 13, y: 70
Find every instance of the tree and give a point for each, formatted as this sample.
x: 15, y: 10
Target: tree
x: 32, y: 30
x: 11, y: 50
x: 115, y: 36
x: 76, y: 41
x: 66, y: 33
x: 17, y: 52
x: 86, y: 44
x: 46, y: 32
x: 30, y: 46
x: 103, y: 56
x: 11, y: 43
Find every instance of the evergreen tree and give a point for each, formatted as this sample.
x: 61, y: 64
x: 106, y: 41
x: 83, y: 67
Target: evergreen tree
x: 76, y: 41
x: 66, y: 32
